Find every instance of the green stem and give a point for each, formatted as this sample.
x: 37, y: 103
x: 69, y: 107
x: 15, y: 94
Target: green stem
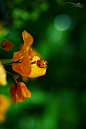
x: 12, y: 62
x: 5, y: 61
x: 7, y: 64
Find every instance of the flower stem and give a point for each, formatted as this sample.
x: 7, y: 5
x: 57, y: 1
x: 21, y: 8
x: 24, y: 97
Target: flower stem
x: 12, y: 75
x: 12, y: 62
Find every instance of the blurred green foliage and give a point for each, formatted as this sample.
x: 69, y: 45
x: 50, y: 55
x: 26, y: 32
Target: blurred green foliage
x: 59, y: 98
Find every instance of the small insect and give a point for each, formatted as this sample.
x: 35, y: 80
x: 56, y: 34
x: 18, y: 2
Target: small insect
x: 42, y: 63
x: 77, y: 5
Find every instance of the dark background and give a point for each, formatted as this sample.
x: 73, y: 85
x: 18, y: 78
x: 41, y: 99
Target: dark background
x: 58, y: 98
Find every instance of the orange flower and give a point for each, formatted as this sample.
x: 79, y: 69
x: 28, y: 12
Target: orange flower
x: 19, y: 92
x: 4, y: 106
x: 27, y: 65
x: 23, y: 67
x: 35, y: 70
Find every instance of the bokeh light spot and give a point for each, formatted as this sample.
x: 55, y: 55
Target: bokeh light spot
x: 53, y: 34
x: 62, y: 22
x: 37, y: 97
x: 26, y: 122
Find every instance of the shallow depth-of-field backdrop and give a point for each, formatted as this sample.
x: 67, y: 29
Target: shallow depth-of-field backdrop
x: 58, y: 99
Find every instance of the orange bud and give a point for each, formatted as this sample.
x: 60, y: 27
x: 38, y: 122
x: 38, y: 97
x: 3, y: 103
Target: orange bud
x: 6, y: 45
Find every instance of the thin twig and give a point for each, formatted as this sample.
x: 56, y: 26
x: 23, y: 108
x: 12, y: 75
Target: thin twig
x: 12, y: 76
x: 79, y: 5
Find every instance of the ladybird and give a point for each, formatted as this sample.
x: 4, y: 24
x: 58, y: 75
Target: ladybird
x: 42, y: 63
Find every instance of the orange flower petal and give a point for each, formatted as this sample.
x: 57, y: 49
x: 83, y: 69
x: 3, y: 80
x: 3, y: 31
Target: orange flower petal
x: 21, y: 46
x: 19, y: 92
x: 25, y: 91
x: 23, y: 67
x: 16, y: 93
x: 28, y: 39
x: 35, y: 70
